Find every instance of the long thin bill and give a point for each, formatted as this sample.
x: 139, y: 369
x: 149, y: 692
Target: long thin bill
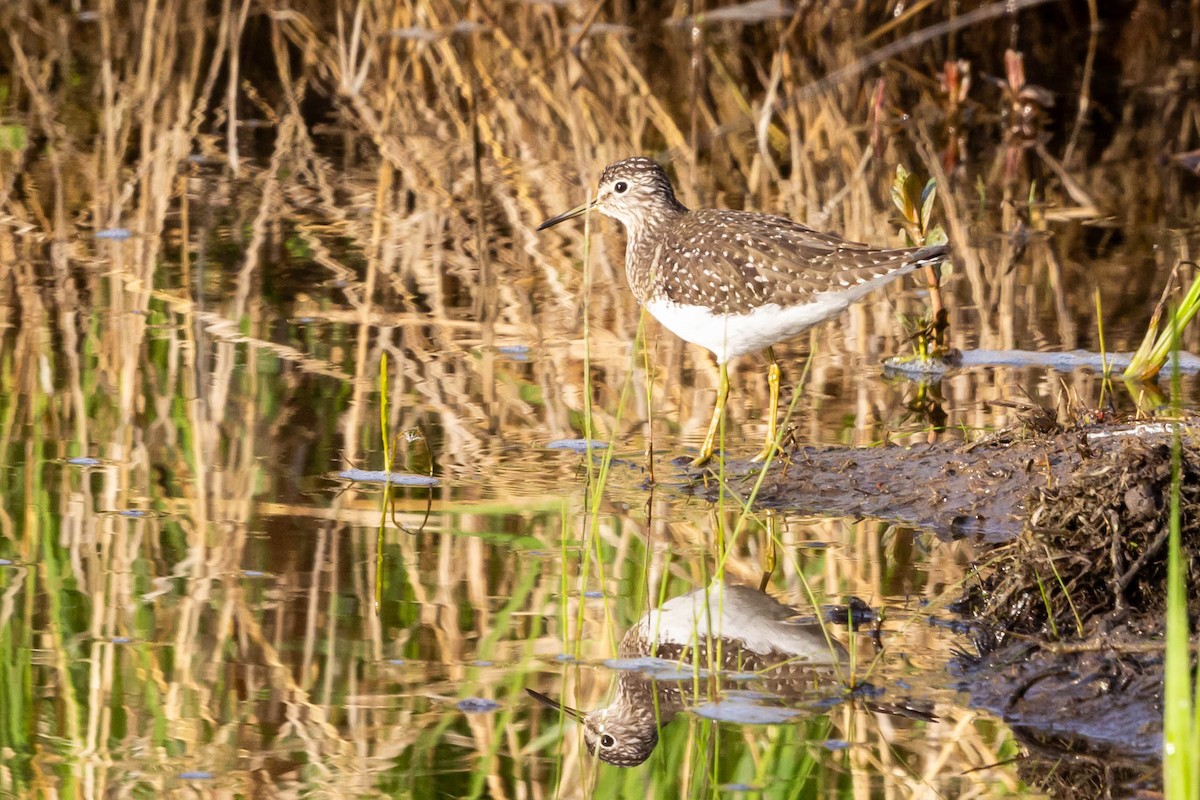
x: 574, y: 212
x: 557, y: 706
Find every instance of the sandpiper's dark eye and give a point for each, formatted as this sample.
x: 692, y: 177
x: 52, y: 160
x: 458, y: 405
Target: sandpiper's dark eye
x: 621, y: 187
x: 606, y: 740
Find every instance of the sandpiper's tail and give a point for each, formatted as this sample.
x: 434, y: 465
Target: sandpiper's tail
x: 930, y: 254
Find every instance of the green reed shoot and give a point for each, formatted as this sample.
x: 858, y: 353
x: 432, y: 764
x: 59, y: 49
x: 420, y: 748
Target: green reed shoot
x: 1156, y: 346
x: 1181, y: 703
x: 1066, y: 592
x: 387, y: 481
x: 1049, y: 608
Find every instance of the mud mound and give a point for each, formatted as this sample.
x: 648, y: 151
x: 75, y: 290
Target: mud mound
x: 1069, y: 617
x: 1068, y: 611
x: 1096, y: 543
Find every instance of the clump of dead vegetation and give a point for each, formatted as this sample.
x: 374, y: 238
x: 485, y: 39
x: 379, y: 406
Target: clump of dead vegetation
x: 1095, y: 549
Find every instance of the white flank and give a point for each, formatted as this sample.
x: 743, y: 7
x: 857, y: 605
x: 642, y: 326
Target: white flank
x: 737, y: 614
x: 732, y: 336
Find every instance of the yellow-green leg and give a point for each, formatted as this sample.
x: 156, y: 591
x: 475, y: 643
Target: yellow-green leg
x: 714, y: 427
x: 769, y: 561
x: 769, y: 557
x: 773, y: 377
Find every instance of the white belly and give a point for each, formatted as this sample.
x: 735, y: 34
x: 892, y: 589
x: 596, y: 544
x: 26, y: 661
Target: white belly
x: 730, y: 337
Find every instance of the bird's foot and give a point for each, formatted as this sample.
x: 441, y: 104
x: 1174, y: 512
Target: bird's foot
x: 763, y: 454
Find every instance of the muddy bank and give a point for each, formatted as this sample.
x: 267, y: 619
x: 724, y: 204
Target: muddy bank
x: 1067, y: 609
x: 1069, y: 618
x: 986, y: 489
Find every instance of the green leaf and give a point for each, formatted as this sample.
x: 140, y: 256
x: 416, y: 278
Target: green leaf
x: 928, y: 196
x: 13, y: 138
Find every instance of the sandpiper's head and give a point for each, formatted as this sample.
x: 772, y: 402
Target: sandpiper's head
x: 620, y: 734
x: 635, y: 191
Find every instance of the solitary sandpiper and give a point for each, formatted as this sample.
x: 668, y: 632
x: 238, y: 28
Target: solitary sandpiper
x: 735, y: 282
x: 740, y: 636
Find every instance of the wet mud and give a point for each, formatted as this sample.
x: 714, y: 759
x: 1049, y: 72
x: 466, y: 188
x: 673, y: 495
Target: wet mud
x: 1067, y: 612
x: 986, y: 489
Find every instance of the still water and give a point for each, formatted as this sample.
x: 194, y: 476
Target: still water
x: 226, y: 313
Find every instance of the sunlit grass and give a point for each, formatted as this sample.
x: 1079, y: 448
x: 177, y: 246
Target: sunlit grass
x: 1158, y: 344
x: 1181, y: 703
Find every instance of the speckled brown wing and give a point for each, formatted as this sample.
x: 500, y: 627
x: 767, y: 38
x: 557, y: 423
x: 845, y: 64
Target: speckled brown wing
x: 737, y: 261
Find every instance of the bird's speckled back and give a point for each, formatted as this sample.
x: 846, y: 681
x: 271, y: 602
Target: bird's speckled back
x: 731, y: 261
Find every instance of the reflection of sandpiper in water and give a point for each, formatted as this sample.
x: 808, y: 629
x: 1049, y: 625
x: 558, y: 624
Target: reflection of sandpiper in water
x: 747, y: 637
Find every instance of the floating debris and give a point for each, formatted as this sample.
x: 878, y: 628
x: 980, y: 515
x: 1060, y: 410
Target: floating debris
x: 660, y: 669
x: 515, y: 352
x: 600, y: 29
x: 84, y: 461
x: 1064, y: 361
x: 114, y: 234
x: 394, y: 478
x: 476, y: 705
x: 197, y: 775
x: 749, y: 13
x: 416, y: 34
x: 575, y: 445
x: 914, y: 366
x: 745, y: 713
